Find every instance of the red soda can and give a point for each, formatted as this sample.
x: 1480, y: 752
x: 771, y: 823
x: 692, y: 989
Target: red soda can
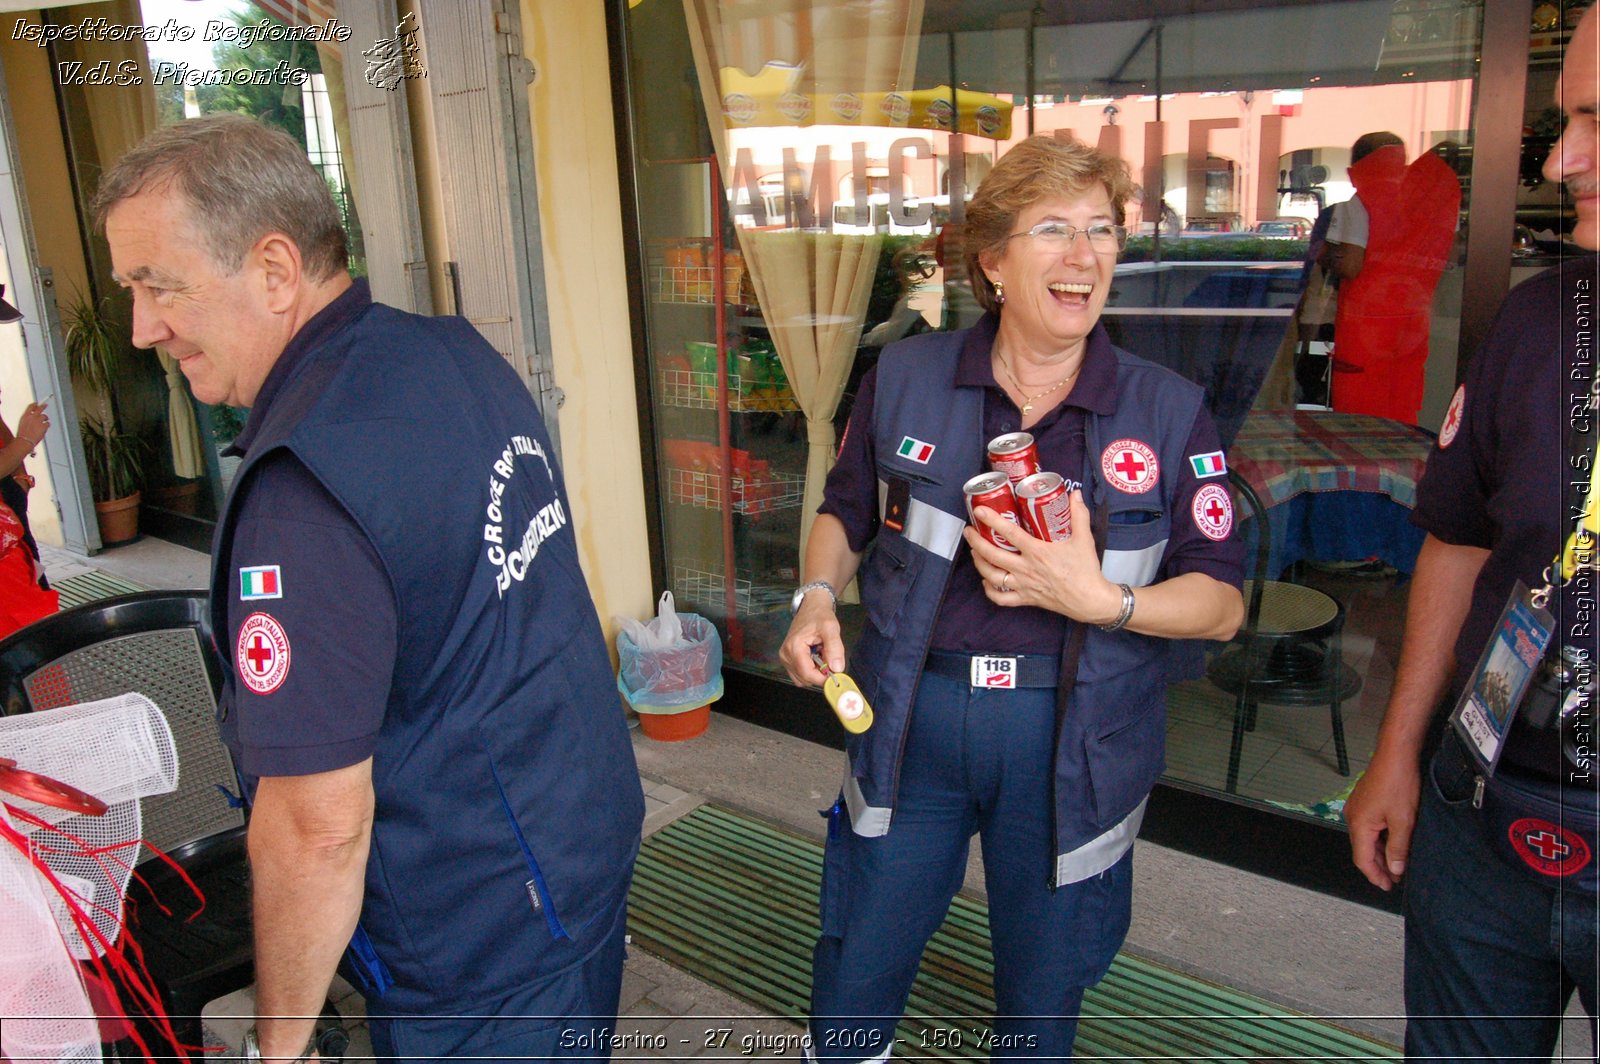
x: 1014, y: 454
x: 1045, y: 500
x: 994, y: 491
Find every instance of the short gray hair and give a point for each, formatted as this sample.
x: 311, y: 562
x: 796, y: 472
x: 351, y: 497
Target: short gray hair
x: 241, y: 180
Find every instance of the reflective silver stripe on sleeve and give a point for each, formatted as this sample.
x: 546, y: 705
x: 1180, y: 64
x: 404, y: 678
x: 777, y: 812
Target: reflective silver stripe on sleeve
x: 1100, y: 852
x: 868, y: 821
x: 927, y: 526
x: 1136, y: 568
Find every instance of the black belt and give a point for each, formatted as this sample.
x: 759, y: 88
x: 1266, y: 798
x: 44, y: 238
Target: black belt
x: 1032, y: 670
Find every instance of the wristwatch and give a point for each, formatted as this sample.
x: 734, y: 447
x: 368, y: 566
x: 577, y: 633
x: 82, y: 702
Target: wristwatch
x: 251, y: 1050
x: 806, y: 589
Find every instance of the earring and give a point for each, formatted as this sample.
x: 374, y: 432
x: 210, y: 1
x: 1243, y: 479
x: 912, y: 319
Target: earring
x: 999, y: 292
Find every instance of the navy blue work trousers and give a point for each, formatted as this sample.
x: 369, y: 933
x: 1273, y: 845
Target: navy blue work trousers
x: 975, y: 761
x: 570, y: 1016
x: 1492, y: 956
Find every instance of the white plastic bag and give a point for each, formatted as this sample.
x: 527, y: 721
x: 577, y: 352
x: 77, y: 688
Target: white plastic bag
x: 671, y: 663
x: 664, y: 630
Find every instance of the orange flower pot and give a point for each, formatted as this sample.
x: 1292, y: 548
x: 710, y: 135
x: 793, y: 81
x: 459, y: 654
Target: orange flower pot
x: 674, y: 727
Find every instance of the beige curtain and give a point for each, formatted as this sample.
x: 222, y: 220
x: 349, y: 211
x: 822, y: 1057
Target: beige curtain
x: 812, y: 286
x: 119, y: 115
x: 184, y: 434
x: 835, y: 45
x: 813, y: 290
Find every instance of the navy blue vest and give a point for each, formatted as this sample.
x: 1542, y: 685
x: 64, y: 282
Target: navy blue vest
x: 508, y: 801
x: 1110, y: 747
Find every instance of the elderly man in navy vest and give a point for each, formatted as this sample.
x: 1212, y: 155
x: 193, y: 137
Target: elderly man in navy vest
x: 1496, y: 833
x: 419, y: 698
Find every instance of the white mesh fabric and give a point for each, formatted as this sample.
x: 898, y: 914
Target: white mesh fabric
x: 83, y: 893
x: 106, y: 876
x: 48, y: 1015
x: 117, y: 749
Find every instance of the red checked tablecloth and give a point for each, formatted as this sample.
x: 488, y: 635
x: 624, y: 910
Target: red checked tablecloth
x: 1285, y: 453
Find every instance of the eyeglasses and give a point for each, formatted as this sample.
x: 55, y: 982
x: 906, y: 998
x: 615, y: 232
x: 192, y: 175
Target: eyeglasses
x: 1058, y: 237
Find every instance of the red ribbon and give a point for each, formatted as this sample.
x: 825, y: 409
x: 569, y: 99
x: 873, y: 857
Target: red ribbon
x: 113, y: 964
x: 47, y: 791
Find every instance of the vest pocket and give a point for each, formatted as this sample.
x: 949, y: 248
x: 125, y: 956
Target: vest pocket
x: 362, y: 962
x: 538, y: 893
x: 1136, y: 540
x: 886, y: 579
x: 1125, y: 759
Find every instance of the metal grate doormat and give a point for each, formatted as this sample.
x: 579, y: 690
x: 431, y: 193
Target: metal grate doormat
x: 733, y: 901
x: 91, y: 586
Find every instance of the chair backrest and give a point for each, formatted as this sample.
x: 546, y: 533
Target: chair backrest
x: 156, y: 643
x: 1256, y: 576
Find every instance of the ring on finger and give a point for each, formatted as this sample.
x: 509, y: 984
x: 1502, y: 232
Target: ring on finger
x: 1005, y: 583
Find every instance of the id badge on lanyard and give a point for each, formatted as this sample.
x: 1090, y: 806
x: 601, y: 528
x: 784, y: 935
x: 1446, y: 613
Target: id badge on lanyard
x: 1525, y: 628
x: 1500, y: 680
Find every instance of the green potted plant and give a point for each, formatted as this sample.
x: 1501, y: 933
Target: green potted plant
x: 116, y: 468
x: 96, y: 345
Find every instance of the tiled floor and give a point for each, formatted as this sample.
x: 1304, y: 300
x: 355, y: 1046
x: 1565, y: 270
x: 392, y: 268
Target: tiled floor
x: 1290, y: 756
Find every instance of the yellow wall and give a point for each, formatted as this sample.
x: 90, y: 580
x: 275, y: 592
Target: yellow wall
x: 585, y: 281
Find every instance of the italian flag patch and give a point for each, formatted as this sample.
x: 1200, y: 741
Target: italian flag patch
x: 1208, y: 465
x: 915, y: 450
x: 260, y: 582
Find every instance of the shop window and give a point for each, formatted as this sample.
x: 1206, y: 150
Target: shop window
x: 763, y: 318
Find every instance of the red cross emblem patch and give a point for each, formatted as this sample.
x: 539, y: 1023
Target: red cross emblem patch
x: 1452, y: 418
x: 262, y: 655
x: 1547, y: 848
x: 1213, y: 512
x: 1130, y: 466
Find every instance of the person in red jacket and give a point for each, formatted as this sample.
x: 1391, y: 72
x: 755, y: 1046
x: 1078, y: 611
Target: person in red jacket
x: 1388, y: 245
x: 22, y: 600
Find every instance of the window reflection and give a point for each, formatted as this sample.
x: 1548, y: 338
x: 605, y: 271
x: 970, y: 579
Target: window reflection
x: 816, y: 215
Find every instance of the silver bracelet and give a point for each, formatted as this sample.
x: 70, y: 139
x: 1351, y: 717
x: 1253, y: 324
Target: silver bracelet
x: 1127, y: 610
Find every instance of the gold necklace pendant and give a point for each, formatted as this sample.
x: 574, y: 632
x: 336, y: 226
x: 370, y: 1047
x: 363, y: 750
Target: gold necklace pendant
x: 1029, y: 400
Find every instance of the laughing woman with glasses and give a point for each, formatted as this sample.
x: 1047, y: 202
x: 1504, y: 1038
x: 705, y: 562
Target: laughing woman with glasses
x: 1019, y: 694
